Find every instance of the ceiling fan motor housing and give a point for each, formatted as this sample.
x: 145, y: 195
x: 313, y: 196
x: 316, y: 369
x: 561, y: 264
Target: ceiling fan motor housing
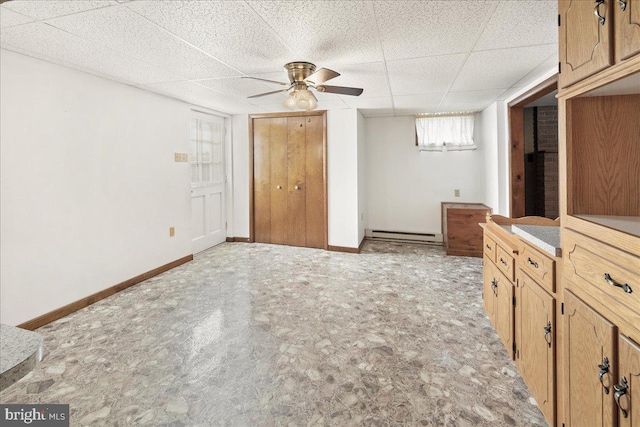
x: 298, y: 71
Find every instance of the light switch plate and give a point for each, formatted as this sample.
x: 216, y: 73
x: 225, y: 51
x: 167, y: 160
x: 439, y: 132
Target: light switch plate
x: 181, y: 157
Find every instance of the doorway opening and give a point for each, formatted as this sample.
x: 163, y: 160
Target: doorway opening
x: 533, y: 129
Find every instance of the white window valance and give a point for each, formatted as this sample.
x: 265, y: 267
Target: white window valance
x: 450, y: 132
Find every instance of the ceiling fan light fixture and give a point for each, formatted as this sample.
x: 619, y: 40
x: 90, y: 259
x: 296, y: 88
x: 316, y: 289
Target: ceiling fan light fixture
x: 291, y: 101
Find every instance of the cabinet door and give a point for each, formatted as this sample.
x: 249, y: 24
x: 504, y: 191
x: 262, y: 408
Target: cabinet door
x: 535, y: 343
x: 584, y: 38
x: 627, y: 14
x: 589, y: 366
x: 629, y: 366
x: 504, y: 311
x: 488, y: 289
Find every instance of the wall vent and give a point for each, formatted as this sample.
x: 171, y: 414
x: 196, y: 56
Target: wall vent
x: 403, y: 236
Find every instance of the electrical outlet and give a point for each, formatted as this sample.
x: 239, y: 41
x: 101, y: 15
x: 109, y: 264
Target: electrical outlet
x: 181, y: 157
x: 172, y: 231
x: 456, y: 193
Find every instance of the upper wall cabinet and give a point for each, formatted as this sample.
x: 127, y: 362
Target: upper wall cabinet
x: 586, y: 36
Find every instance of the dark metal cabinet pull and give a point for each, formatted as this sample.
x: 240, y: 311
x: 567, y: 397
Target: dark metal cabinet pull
x: 547, y: 334
x: 596, y: 11
x: 604, y: 369
x: 503, y: 261
x: 488, y: 247
x: 494, y: 286
x: 621, y: 390
x: 530, y: 261
x: 625, y: 287
x: 623, y: 7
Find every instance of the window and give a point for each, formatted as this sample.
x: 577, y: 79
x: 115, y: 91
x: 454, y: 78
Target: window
x: 207, y: 139
x: 440, y: 132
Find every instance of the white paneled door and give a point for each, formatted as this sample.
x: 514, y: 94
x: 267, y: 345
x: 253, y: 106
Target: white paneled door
x: 208, y: 222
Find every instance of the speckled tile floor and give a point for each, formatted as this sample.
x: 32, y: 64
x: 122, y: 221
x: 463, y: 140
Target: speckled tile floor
x: 264, y: 335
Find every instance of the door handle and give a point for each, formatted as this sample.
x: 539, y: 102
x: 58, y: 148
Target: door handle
x: 297, y: 187
x: 547, y: 334
x: 621, y: 390
x: 596, y: 12
x: 279, y: 187
x: 604, y: 369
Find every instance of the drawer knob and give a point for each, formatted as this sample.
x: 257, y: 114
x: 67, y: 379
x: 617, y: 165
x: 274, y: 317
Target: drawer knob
x: 530, y: 261
x: 621, y: 390
x: 547, y: 334
x: 604, y: 369
x: 625, y: 287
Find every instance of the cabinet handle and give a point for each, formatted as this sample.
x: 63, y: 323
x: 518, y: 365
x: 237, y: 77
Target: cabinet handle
x: 535, y: 264
x: 604, y: 369
x: 596, y: 11
x: 625, y: 287
x: 621, y: 390
x: 488, y: 247
x: 547, y: 334
x: 494, y: 285
x: 503, y: 262
x: 623, y: 7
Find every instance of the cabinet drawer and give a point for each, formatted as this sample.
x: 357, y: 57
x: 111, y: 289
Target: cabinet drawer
x: 539, y: 266
x: 489, y: 247
x: 505, y: 263
x: 610, y: 276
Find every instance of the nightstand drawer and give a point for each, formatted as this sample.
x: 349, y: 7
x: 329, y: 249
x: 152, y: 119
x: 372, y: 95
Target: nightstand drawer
x: 610, y: 276
x: 505, y: 263
x: 490, y: 247
x: 540, y: 267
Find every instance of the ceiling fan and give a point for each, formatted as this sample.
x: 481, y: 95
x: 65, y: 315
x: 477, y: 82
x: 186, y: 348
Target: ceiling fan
x: 302, y: 77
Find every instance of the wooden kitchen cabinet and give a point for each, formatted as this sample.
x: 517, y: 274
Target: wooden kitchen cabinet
x: 627, y: 391
x: 535, y: 342
x: 497, y: 295
x: 627, y: 25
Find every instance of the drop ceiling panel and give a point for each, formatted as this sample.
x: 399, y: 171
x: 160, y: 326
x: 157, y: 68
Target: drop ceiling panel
x: 423, y: 75
x: 501, y: 68
x: 40, y: 10
x: 46, y: 42
x: 333, y: 104
x: 469, y: 101
x: 200, y: 95
x: 326, y: 33
x: 230, y: 31
x: 377, y: 112
x: 413, y: 29
x: 120, y: 29
x: 521, y: 23
x: 372, y: 77
x: 367, y: 103
x: 242, y: 88
x: 416, y: 104
x: 8, y: 18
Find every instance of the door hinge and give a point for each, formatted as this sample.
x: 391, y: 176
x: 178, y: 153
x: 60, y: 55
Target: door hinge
x: 562, y: 308
x: 513, y: 300
x: 559, y: 20
x: 559, y: 67
x: 514, y: 347
x: 226, y: 225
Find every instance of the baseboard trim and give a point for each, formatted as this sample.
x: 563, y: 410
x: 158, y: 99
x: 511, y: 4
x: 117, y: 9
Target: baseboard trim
x: 343, y: 249
x: 91, y: 299
x: 241, y: 240
x: 361, y: 244
x: 229, y: 239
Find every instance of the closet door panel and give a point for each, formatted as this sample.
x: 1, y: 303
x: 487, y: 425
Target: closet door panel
x: 314, y: 180
x: 278, y: 160
x: 296, y: 221
x: 262, y: 179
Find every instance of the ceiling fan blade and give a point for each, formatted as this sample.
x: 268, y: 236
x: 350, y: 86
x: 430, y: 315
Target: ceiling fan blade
x: 342, y: 90
x: 268, y: 93
x: 266, y: 80
x: 321, y: 76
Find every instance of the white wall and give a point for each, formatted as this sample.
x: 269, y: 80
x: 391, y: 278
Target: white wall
x: 89, y: 185
x: 488, y: 119
x: 363, y: 216
x: 406, y: 186
x: 240, y: 143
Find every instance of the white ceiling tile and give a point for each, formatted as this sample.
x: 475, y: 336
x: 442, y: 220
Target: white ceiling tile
x: 413, y: 29
x: 469, y: 101
x: 501, y: 68
x: 415, y: 104
x: 123, y: 30
x: 9, y: 18
x: 41, y: 9
x: 44, y: 41
x: 242, y: 88
x: 228, y: 30
x: 372, y: 77
x: 423, y: 75
x: 367, y: 103
x: 327, y: 33
x: 385, y: 112
x: 322, y: 105
x: 521, y: 23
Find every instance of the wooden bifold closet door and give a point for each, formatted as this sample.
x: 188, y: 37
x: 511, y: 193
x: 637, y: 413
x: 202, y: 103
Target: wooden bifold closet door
x: 289, y: 189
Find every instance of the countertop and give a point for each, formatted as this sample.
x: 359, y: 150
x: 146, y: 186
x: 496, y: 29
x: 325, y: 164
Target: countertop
x: 20, y: 352
x: 545, y: 237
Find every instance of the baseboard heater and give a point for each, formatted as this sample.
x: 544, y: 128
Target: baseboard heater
x: 403, y: 236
